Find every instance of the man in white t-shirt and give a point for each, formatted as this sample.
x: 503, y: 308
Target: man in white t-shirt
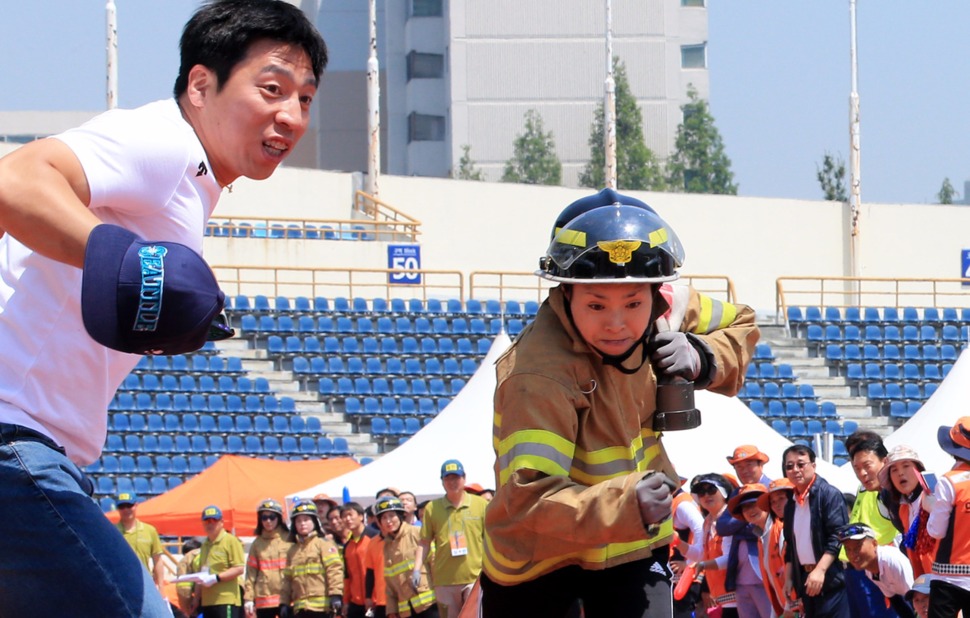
x: 887, y: 567
x: 83, y: 293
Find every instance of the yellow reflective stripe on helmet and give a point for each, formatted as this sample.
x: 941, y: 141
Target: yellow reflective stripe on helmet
x: 714, y: 315
x: 571, y: 237
x: 505, y: 571
x: 658, y: 237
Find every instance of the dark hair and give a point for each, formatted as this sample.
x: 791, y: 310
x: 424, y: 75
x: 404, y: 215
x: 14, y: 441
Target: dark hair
x: 280, y: 526
x: 352, y: 506
x: 291, y: 537
x: 864, y: 440
x: 218, y: 36
x: 190, y: 544
x: 798, y: 449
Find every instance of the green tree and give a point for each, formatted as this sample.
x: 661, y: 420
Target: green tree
x: 636, y: 166
x: 831, y: 177
x: 699, y: 164
x: 947, y: 192
x: 466, y: 169
x: 534, y: 160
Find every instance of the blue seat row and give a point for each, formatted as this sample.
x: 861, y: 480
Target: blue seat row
x: 396, y: 426
x: 777, y: 390
x: 347, y: 346
x: 392, y: 406
x: 910, y: 333
x: 140, y: 485
x: 309, y: 231
x: 777, y: 408
x: 184, y: 402
x: 767, y: 370
x: 265, y: 325
x: 232, y: 444
x: 836, y: 353
x: 412, y: 306
x: 197, y: 363
x: 909, y: 372
x: 209, y: 423
x: 876, y: 315
x: 798, y: 428
x: 905, y: 391
x: 187, y: 383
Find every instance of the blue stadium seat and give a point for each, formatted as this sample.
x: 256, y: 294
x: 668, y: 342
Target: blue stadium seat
x: 758, y: 407
x: 340, y: 447
x: 325, y: 446
x: 780, y: 426
x: 378, y: 427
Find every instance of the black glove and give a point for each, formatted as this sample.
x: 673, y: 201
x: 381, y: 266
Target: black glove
x: 654, y: 496
x: 674, y: 355
x: 286, y: 611
x: 336, y: 604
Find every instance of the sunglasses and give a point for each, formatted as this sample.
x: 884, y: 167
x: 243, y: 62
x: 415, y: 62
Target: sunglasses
x: 800, y: 465
x: 268, y: 517
x: 704, y: 490
x: 219, y: 329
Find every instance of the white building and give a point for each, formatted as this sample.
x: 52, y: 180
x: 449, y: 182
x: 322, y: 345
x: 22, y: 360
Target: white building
x: 457, y: 72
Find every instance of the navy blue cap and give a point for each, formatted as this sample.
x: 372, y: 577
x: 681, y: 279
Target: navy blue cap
x: 452, y: 466
x: 606, y: 197
x: 211, y: 512
x: 126, y: 497
x: 144, y: 297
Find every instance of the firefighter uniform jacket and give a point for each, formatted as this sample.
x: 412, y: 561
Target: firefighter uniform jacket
x: 313, y: 573
x: 264, y: 569
x: 573, y: 436
x: 399, y: 554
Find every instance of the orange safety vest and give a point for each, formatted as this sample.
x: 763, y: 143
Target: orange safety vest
x: 953, y: 552
x: 773, y: 573
x: 922, y: 561
x: 715, y: 577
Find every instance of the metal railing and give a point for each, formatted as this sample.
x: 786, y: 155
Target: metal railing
x: 311, y: 229
x: 385, y: 215
x: 387, y: 283
x: 391, y: 283
x: 868, y: 292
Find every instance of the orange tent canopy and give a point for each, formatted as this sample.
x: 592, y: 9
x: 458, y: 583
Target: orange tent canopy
x: 236, y: 485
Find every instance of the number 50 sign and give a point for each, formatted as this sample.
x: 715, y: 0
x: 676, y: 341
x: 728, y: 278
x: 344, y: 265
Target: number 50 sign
x: 406, y: 257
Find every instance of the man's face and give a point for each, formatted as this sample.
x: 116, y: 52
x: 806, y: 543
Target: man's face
x: 353, y: 520
x: 861, y: 553
x: 867, y: 465
x: 904, y: 476
x: 126, y: 512
x: 212, y: 527
x: 611, y: 317
x: 410, y: 504
x: 336, y: 521
x: 263, y: 109
x: 799, y: 469
x: 453, y: 483
x: 749, y: 471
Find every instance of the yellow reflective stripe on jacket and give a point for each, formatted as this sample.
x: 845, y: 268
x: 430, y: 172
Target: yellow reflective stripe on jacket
x: 331, y: 558
x: 425, y: 598
x: 551, y: 454
x: 714, y: 315
x: 312, y: 604
x: 505, y: 571
x: 310, y: 568
x: 396, y: 569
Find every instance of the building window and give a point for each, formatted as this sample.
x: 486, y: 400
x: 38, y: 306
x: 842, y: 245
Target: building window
x: 423, y: 66
x: 693, y: 56
x: 698, y: 3
x: 426, y: 128
x: 426, y: 8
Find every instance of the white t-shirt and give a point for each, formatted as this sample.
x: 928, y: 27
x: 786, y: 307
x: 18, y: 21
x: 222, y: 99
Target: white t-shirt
x: 147, y: 172
x: 895, y: 571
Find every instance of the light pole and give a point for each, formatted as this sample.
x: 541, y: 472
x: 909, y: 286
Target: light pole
x: 609, y: 107
x: 111, y: 19
x: 855, y: 182
x: 373, y: 108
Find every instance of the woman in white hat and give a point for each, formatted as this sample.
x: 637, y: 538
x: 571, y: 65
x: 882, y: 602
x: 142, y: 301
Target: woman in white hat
x: 902, y: 476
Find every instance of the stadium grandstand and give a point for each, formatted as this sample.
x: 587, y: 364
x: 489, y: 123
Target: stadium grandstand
x: 359, y: 318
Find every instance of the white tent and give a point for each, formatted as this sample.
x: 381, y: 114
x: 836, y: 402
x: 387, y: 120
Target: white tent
x: 943, y: 408
x: 463, y: 431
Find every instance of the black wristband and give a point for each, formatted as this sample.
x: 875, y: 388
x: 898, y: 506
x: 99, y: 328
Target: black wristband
x: 218, y: 579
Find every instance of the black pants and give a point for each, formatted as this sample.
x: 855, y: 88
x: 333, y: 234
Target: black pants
x: 946, y: 600
x: 633, y: 590
x: 355, y: 611
x: 268, y: 612
x: 222, y: 611
x: 829, y: 604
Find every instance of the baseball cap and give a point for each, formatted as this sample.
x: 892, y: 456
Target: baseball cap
x: 921, y: 584
x: 452, y: 466
x: 211, y: 512
x: 855, y: 532
x: 745, y: 452
x: 126, y: 497
x: 148, y: 297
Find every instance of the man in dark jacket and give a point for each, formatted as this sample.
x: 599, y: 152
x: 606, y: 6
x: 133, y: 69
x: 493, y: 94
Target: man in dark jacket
x: 812, y: 521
